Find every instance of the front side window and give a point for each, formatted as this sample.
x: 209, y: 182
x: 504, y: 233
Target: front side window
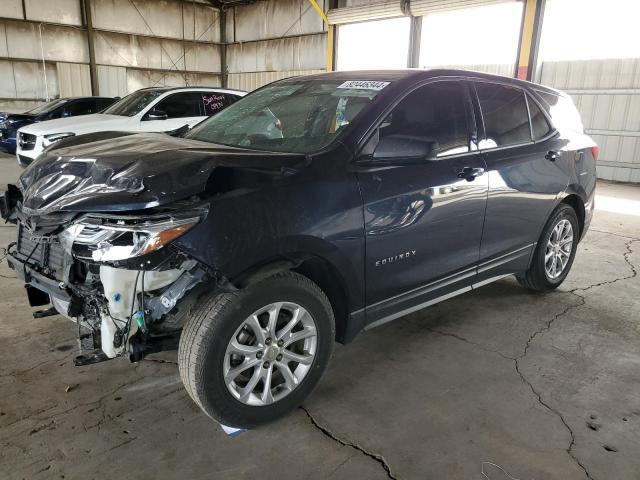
x: 297, y: 115
x: 505, y: 115
x: 134, y: 103
x: 437, y: 115
x: 181, y: 105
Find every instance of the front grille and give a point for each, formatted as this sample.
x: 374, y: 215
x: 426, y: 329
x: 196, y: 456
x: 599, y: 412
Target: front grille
x: 48, y: 256
x: 27, y: 141
x: 24, y: 160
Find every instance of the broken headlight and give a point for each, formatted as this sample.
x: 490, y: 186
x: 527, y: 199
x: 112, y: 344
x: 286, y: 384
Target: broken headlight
x: 104, y: 239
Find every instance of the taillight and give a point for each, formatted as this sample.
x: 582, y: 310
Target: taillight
x: 595, y: 151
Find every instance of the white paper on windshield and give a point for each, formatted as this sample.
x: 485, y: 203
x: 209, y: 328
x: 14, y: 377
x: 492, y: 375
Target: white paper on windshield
x: 364, y: 85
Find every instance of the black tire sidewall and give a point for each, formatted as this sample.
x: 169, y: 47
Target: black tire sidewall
x: 213, y: 393
x: 563, y: 212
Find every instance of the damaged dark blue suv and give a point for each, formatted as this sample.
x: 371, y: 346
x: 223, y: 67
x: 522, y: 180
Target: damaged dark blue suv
x: 309, y: 210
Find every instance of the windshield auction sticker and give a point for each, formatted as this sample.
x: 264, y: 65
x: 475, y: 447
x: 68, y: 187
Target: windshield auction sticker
x: 364, y: 85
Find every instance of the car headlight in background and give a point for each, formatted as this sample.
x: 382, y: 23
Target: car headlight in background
x: 55, y: 137
x: 112, y: 239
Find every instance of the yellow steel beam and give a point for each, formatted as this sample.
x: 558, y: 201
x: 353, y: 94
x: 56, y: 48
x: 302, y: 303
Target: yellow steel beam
x: 317, y: 8
x: 528, y: 37
x: 330, y: 30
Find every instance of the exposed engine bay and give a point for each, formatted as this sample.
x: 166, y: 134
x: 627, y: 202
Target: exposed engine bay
x: 108, y: 235
x: 108, y: 273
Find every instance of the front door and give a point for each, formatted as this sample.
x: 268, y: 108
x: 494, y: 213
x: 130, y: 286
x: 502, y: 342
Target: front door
x: 423, y: 215
x: 179, y: 109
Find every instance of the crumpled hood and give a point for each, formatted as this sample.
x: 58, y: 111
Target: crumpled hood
x: 111, y: 171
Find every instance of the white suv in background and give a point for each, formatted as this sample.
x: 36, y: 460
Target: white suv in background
x: 147, y: 110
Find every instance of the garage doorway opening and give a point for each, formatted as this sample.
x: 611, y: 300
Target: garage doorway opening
x: 375, y: 44
x: 483, y: 38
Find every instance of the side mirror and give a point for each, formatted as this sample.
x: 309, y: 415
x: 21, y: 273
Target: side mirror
x: 405, y: 147
x: 155, y: 114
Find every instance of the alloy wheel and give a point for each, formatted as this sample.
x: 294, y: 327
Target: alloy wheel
x: 559, y: 247
x: 270, y: 353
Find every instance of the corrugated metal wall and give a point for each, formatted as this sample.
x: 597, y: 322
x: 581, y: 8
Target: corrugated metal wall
x: 138, y: 43
x: 607, y: 93
x: 272, y: 40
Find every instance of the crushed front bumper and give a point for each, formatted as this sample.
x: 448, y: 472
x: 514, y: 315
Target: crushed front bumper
x: 26, y: 272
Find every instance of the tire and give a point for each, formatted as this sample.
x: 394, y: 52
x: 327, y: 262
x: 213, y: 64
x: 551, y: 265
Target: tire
x: 537, y: 277
x: 205, y: 354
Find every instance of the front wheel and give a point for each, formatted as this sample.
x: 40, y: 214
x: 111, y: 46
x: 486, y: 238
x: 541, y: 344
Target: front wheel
x: 250, y: 356
x: 554, y: 252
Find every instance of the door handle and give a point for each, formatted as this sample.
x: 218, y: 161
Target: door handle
x: 470, y: 173
x: 552, y: 155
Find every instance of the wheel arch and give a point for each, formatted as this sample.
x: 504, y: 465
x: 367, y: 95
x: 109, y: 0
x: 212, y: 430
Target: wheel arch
x: 317, y: 269
x: 575, y: 197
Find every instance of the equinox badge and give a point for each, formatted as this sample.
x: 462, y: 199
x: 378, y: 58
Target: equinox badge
x: 396, y: 258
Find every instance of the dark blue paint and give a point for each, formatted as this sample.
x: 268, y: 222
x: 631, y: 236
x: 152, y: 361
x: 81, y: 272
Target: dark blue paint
x: 396, y: 235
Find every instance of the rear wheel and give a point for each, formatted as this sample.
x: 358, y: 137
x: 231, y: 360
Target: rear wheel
x: 554, y: 252
x: 250, y: 356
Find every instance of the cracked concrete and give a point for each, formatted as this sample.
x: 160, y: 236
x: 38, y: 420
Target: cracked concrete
x: 496, y: 383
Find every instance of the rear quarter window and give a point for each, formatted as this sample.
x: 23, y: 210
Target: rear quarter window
x: 539, y: 124
x: 563, y: 112
x: 214, y: 102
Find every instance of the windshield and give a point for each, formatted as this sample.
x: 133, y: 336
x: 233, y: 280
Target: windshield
x: 47, y: 107
x: 296, y: 116
x: 133, y: 103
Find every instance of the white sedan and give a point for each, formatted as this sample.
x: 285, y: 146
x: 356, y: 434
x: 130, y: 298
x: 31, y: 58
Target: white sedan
x: 147, y: 110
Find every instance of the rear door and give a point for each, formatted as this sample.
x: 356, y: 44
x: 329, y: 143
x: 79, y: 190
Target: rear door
x: 423, y: 219
x: 525, y: 181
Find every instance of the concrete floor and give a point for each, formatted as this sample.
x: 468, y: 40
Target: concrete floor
x: 500, y: 381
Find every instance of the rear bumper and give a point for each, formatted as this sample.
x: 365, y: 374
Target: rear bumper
x: 54, y: 288
x: 589, y: 208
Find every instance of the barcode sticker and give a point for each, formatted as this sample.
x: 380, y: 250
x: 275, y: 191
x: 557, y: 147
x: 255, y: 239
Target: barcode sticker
x: 364, y: 85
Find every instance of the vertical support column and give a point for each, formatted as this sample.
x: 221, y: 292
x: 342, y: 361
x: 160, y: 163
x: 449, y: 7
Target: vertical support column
x: 224, y: 72
x: 331, y: 40
x: 85, y: 6
x: 330, y: 34
x: 529, y: 43
x: 415, y: 37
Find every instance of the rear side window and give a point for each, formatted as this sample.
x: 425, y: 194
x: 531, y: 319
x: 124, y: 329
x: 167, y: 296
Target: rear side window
x: 214, y: 102
x: 539, y: 125
x: 103, y: 103
x: 564, y: 113
x: 505, y: 115
x: 181, y: 105
x: 437, y: 113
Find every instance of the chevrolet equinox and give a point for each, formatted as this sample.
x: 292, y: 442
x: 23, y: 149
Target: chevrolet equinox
x: 307, y: 211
